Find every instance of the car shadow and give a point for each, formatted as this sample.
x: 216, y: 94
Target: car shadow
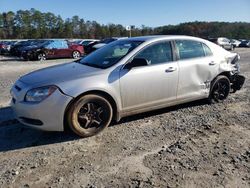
x: 14, y: 136
x: 160, y: 111
x: 7, y: 58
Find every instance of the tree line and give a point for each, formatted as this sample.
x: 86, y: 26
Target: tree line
x: 35, y: 24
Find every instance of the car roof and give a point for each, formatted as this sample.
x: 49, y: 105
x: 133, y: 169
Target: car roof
x: 162, y: 37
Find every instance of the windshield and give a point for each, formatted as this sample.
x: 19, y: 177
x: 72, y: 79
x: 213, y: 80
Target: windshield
x: 110, y: 54
x: 44, y: 43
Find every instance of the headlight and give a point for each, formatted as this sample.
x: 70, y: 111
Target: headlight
x: 39, y: 94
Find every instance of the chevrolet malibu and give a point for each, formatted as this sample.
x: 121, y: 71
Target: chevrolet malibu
x: 125, y: 77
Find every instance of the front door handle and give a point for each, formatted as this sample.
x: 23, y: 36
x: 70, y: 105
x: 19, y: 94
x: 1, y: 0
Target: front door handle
x: 171, y: 69
x: 212, y: 63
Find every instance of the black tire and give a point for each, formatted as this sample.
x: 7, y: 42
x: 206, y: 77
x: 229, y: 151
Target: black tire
x: 220, y: 89
x: 89, y: 115
x: 41, y: 57
x: 76, y: 54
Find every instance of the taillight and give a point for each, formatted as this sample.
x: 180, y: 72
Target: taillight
x: 232, y: 60
x: 236, y: 58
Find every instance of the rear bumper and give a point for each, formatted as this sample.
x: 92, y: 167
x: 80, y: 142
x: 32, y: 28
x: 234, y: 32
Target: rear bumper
x: 237, y: 82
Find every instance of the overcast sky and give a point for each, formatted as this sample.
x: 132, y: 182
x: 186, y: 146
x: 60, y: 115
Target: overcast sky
x: 139, y: 12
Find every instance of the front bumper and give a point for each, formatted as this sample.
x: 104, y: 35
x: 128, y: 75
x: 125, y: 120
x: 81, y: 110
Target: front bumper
x: 47, y: 115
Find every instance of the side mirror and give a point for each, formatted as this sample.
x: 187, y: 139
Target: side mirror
x: 137, y: 62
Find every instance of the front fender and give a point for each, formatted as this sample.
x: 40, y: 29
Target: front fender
x: 75, y: 88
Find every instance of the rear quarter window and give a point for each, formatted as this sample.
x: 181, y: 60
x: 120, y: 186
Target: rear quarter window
x: 207, y: 50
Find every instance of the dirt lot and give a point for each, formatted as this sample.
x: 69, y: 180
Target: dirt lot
x: 191, y: 145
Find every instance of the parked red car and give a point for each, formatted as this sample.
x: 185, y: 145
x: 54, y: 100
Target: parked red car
x: 5, y: 46
x: 52, y: 49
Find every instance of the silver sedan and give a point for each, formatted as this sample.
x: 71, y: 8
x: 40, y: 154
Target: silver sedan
x: 123, y: 78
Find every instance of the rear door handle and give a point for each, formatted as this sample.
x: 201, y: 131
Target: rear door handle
x: 212, y: 63
x: 171, y: 69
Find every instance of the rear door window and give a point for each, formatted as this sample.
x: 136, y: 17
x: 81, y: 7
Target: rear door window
x: 188, y: 49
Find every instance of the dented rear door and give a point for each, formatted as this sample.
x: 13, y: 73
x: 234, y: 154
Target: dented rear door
x: 197, y: 68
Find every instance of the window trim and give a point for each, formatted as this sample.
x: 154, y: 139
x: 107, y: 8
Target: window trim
x: 206, y: 55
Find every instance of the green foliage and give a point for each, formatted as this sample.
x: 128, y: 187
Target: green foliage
x: 35, y: 24
x: 235, y: 30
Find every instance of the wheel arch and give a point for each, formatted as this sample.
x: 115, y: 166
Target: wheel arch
x: 103, y: 94
x: 224, y: 73
x: 41, y: 51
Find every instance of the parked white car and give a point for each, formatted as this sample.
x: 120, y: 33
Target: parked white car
x: 223, y: 42
x: 235, y: 42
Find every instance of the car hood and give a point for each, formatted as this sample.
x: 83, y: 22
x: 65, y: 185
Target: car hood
x: 59, y: 73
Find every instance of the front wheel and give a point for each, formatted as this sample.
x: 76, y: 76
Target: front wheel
x: 220, y: 89
x: 76, y: 54
x: 89, y: 115
x: 41, y: 57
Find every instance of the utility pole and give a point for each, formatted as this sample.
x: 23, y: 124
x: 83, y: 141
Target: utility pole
x: 129, y: 28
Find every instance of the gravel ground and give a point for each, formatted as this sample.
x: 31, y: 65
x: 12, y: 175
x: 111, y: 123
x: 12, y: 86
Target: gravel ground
x: 190, y: 145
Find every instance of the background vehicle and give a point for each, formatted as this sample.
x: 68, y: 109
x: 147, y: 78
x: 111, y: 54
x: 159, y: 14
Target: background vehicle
x: 223, y: 42
x: 235, y: 42
x: 245, y: 43
x: 89, y: 48
x: 29, y: 45
x: 5, y: 46
x: 15, y: 49
x: 123, y: 78
x: 52, y: 49
x: 100, y: 44
x: 85, y: 42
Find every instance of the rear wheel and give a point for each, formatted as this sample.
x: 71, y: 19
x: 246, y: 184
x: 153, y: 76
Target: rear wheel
x: 76, y: 54
x: 220, y: 89
x: 89, y: 115
x: 41, y: 57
